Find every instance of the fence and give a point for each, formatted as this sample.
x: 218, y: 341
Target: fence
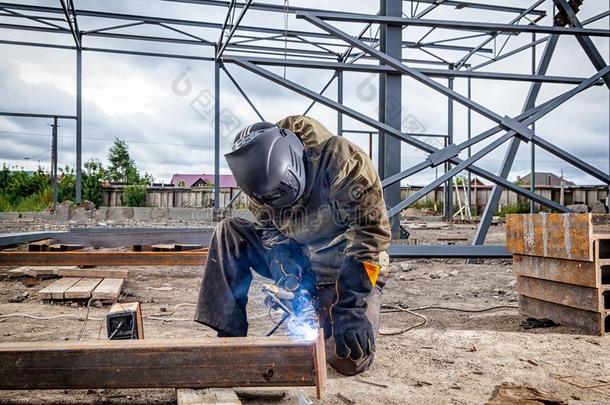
x: 167, y: 197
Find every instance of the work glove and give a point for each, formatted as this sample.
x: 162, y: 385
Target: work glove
x: 350, y: 327
x: 290, y: 267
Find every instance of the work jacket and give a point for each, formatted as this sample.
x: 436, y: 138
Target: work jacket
x: 341, y: 212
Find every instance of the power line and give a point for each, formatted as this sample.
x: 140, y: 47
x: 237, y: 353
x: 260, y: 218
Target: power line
x: 107, y: 139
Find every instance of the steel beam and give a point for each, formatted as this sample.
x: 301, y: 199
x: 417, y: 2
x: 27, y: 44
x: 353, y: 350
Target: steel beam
x: 242, y: 92
x: 511, y: 152
x: 584, y: 41
x: 458, y: 25
x: 506, y: 122
x: 71, y: 20
x: 77, y: 258
x: 223, y: 44
x: 36, y: 115
x: 382, y: 127
x: 441, y: 73
x: 401, y: 251
x: 165, y: 363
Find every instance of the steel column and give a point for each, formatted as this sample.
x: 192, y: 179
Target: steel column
x: 448, y: 194
x: 217, y: 136
x: 340, y: 101
x: 79, y: 123
x: 390, y: 102
x: 54, y: 161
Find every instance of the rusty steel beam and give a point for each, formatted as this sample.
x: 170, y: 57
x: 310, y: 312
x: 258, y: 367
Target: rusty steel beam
x: 164, y: 363
x: 77, y: 258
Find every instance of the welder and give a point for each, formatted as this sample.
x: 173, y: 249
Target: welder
x: 320, y: 220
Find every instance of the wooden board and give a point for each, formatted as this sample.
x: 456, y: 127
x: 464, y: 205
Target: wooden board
x: 189, y: 258
x: 108, y: 289
x: 562, y: 236
x: 56, y: 290
x: 574, y: 296
x: 101, y: 273
x: 82, y: 289
x: 162, y: 363
x: 587, y: 321
x: 565, y: 271
x: 210, y: 396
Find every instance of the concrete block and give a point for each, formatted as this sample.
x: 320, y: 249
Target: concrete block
x: 9, y: 216
x: 80, y: 214
x: 159, y: 213
x: 141, y: 213
x: 119, y: 213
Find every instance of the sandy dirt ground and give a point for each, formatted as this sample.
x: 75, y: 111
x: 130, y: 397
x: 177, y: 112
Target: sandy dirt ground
x: 455, y: 358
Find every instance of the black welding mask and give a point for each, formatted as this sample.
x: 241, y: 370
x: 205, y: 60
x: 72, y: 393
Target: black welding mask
x: 268, y: 164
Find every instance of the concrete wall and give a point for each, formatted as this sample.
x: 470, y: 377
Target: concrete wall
x: 118, y: 214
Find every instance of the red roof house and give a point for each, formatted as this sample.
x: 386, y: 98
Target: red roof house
x: 202, y: 180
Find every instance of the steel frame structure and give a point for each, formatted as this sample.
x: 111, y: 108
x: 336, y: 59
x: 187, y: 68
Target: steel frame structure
x: 255, y: 47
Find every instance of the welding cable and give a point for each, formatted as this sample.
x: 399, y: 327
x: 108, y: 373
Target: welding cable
x: 397, y: 308
x: 278, y: 324
x: 47, y: 318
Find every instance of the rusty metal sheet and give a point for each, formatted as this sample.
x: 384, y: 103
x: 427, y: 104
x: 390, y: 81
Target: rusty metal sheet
x: 562, y: 236
x: 570, y: 295
x: 576, y: 272
x: 587, y: 321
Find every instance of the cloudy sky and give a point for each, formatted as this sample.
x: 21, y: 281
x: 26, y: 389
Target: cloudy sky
x: 160, y: 107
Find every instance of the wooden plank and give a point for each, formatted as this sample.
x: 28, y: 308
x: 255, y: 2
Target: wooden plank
x: 56, y: 290
x: 44, y: 271
x: 108, y: 289
x: 588, y: 321
x: 39, y: 245
x: 99, y: 273
x: 561, y: 270
x: 574, y: 296
x: 160, y: 363
x: 82, y: 289
x: 65, y: 247
x: 210, y: 396
x: 189, y: 258
x: 562, y: 236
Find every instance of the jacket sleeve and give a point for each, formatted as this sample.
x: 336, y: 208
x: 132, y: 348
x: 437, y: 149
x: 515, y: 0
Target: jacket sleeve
x: 270, y: 234
x: 357, y: 197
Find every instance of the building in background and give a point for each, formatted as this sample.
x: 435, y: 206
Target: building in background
x: 544, y: 179
x: 202, y: 180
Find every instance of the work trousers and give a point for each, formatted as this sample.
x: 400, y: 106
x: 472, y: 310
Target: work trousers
x: 235, y: 250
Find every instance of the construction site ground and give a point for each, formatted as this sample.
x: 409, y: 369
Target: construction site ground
x: 455, y: 358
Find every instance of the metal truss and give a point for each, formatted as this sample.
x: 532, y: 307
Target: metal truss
x: 379, y: 48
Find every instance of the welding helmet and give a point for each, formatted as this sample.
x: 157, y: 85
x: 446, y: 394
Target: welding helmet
x: 268, y: 164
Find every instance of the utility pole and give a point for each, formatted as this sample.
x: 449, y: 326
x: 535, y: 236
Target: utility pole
x: 54, y: 161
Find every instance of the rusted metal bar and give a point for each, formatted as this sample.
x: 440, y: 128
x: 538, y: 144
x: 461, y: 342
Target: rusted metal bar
x: 77, y: 258
x: 164, y: 363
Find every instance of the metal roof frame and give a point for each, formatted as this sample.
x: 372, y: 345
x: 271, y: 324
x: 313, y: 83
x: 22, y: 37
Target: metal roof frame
x: 253, y: 47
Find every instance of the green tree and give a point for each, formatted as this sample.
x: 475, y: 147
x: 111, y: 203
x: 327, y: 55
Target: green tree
x: 122, y: 167
x: 5, y: 177
x: 93, y: 175
x: 134, y: 196
x: 66, y: 185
